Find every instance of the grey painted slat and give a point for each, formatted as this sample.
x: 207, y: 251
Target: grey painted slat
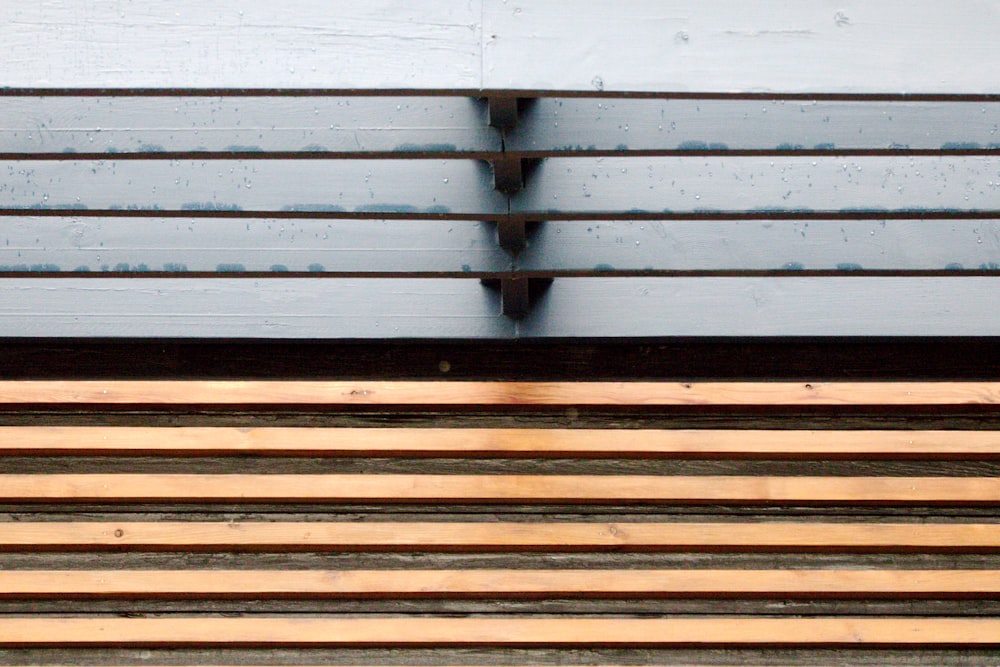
x: 853, y: 46
x: 240, y: 308
x: 95, y: 244
x: 680, y: 185
x: 347, y: 125
x: 807, y: 306
x: 554, y: 125
x: 241, y: 44
x: 926, y: 244
x: 429, y: 187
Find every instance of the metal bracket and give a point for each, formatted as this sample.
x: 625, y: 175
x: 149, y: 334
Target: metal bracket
x: 518, y: 293
x: 503, y: 112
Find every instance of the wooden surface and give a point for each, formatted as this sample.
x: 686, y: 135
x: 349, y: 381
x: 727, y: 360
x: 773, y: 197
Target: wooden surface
x: 642, y: 46
x: 465, y: 536
x: 595, y: 489
x: 500, y: 631
x: 480, y: 442
x: 381, y: 392
x: 264, y: 584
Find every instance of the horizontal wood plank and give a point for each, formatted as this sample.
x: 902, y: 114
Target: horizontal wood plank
x: 777, y: 246
x: 500, y: 631
x: 669, y: 186
x: 282, y: 488
x: 652, y: 45
x: 552, y: 126
x: 234, y: 44
x: 417, y: 392
x: 315, y: 125
x: 83, y: 245
x: 766, y: 307
x: 429, y: 188
x: 493, y: 442
x: 497, y: 536
x: 445, y: 308
x: 271, y: 584
x: 277, y: 308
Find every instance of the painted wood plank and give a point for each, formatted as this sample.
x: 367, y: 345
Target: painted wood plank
x: 316, y: 125
x: 409, y: 631
x: 77, y: 245
x: 527, y: 536
x: 676, y: 247
x: 493, y: 442
x: 551, y: 126
x: 283, y: 488
x: 596, y: 187
x: 655, y: 45
x: 492, y: 583
x: 292, y: 308
x: 335, y: 187
x: 440, y: 393
x: 806, y: 306
x: 236, y: 44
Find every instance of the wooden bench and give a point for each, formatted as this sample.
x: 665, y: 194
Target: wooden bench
x: 627, y: 550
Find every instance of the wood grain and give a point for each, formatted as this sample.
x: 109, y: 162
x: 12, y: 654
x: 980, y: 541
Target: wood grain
x: 407, y: 188
x: 280, y: 488
x: 492, y: 536
x: 416, y: 392
x: 315, y: 125
x: 271, y: 584
x: 820, y: 631
x: 512, y: 442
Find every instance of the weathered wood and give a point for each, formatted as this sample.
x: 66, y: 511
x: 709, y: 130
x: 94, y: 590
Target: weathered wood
x: 553, y: 126
x: 591, y: 489
x: 405, y: 188
x: 278, y: 631
x: 506, y: 583
x: 791, y: 306
x: 76, y: 245
x: 643, y: 46
x: 439, y: 393
x: 493, y: 442
x: 658, y: 46
x: 429, y: 308
x: 671, y: 186
x: 678, y: 247
x: 234, y: 44
x: 492, y: 536
x: 293, y: 308
x: 314, y: 125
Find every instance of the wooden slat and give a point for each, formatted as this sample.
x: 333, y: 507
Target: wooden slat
x: 519, y: 442
x: 504, y: 536
x: 432, y: 308
x: 269, y: 584
x: 117, y: 488
x: 408, y: 188
x: 678, y: 247
x: 84, y: 245
x: 551, y: 126
x: 769, y: 46
x: 315, y: 125
x: 822, y: 307
x: 277, y: 308
x: 416, y: 392
x: 235, y: 44
x: 670, y: 186
x: 500, y: 631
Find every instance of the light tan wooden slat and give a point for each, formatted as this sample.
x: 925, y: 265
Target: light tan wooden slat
x: 500, y: 488
x: 521, y: 442
x: 264, y: 584
x: 496, y: 393
x: 466, y: 536
x: 499, y: 631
